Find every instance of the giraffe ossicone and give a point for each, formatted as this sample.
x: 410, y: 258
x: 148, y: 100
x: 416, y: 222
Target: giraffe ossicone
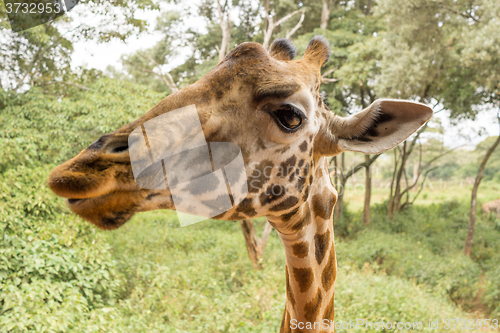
x: 269, y: 107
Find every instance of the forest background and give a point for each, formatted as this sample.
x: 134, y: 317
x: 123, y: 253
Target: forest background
x: 412, y: 241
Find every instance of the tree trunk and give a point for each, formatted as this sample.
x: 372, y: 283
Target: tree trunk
x: 339, y: 207
x: 395, y: 201
x: 255, y: 246
x: 473, y: 202
x: 368, y: 192
x: 397, y: 192
x: 336, y: 177
x: 368, y: 9
x: 325, y: 15
x: 226, y: 34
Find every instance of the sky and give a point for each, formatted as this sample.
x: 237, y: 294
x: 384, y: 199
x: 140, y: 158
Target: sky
x: 90, y: 54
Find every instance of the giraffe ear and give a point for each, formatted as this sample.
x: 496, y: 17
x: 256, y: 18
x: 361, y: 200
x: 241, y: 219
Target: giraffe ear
x: 318, y: 51
x: 282, y: 49
x: 381, y: 126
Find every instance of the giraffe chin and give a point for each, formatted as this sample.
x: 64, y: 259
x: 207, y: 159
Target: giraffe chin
x: 108, y: 211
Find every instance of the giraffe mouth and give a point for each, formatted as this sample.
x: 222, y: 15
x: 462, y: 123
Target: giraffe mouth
x: 72, y: 201
x: 110, y: 210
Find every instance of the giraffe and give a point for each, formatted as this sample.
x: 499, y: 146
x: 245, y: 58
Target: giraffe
x: 492, y: 207
x: 270, y: 106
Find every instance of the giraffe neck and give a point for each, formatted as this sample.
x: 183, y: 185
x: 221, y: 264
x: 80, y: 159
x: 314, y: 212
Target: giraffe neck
x: 311, y: 264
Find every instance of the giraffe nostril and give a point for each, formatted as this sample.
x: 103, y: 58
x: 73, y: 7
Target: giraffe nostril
x: 119, y: 149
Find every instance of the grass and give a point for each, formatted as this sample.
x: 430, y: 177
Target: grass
x: 437, y: 191
x: 151, y: 275
x: 199, y: 279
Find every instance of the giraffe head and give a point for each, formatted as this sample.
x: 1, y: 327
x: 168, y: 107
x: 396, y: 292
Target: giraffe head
x: 266, y: 104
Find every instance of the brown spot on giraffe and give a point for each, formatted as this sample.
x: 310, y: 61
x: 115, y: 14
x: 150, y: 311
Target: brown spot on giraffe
x: 286, y: 204
x: 282, y: 150
x: 303, y: 146
x: 321, y: 244
x: 272, y: 193
x: 246, y: 207
x: 329, y: 312
x: 311, y: 309
x: 287, y: 166
x: 304, y: 278
x: 289, y: 291
x: 235, y: 216
x: 260, y: 176
x: 301, y: 249
x: 303, y: 221
x: 285, y: 322
x: 300, y: 183
x: 323, y: 204
x: 330, y: 271
x: 286, y: 217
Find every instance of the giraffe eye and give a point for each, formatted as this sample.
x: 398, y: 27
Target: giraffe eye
x: 289, y: 117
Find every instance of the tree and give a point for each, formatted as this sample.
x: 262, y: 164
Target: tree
x: 422, y: 60
x: 341, y: 178
x: 434, y: 149
x: 42, y: 54
x: 150, y: 66
x: 473, y: 202
x: 271, y: 25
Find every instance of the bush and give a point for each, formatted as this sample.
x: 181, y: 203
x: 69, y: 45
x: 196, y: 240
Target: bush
x: 55, y: 270
x: 46, y: 285
x: 492, y: 291
x: 377, y: 297
x: 399, y: 255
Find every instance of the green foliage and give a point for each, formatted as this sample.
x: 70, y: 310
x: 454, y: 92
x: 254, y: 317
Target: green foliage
x: 58, y: 274
x: 42, y: 54
x: 359, y: 293
x: 47, y: 285
x: 41, y: 129
x: 443, y: 50
x: 401, y: 256
x: 356, y: 47
x: 199, y: 279
x: 55, y: 270
x: 492, y: 291
x: 425, y: 245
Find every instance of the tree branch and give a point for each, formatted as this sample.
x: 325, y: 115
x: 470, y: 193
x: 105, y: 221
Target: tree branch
x: 170, y: 84
x: 465, y: 15
x: 41, y: 51
x: 268, y: 33
x: 360, y: 166
x: 297, y: 26
x: 422, y: 185
x: 428, y: 164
